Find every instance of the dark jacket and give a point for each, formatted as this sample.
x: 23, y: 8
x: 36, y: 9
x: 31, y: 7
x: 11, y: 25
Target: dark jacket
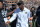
x: 2, y: 23
x: 38, y: 14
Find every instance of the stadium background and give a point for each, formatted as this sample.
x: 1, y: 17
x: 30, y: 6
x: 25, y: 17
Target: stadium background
x: 28, y: 3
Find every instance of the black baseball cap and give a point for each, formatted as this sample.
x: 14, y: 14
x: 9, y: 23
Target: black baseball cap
x: 20, y: 2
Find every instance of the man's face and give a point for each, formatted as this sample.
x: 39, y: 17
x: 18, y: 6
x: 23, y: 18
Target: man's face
x: 1, y: 5
x: 22, y: 6
x: 14, y: 6
x: 32, y: 8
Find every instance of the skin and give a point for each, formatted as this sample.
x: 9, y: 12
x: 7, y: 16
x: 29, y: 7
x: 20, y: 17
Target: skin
x: 1, y: 5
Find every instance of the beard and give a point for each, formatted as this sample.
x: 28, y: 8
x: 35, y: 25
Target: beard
x: 1, y: 9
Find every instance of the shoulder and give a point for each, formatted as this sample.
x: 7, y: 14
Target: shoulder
x: 17, y: 10
x: 27, y: 10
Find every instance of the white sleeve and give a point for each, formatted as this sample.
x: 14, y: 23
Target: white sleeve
x: 5, y: 19
x: 13, y: 17
x: 29, y: 14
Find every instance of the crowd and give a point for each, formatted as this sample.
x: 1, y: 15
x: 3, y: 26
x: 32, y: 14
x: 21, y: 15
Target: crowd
x: 17, y: 15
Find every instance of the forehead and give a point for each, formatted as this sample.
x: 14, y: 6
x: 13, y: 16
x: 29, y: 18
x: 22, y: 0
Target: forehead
x: 22, y: 4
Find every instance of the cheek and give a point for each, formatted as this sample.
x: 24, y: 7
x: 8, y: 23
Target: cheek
x: 22, y: 5
x: 1, y: 5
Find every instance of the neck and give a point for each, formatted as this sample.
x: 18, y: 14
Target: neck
x: 21, y: 9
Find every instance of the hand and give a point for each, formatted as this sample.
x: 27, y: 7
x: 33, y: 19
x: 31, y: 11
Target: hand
x: 7, y: 22
x: 8, y: 17
x: 30, y: 18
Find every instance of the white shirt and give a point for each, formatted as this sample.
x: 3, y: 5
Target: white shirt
x: 22, y: 17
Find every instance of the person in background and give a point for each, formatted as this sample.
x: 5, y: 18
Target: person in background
x: 11, y: 10
x: 2, y: 23
x: 33, y: 11
x: 10, y: 14
x: 33, y: 16
x: 22, y: 14
x: 38, y: 17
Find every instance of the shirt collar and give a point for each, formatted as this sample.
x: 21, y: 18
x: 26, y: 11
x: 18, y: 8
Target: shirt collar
x: 23, y: 9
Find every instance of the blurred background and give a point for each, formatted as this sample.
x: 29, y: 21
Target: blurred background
x: 28, y: 3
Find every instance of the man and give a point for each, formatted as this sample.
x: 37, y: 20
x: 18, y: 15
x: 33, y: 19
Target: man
x: 38, y: 15
x: 22, y: 14
x: 33, y: 13
x: 2, y: 23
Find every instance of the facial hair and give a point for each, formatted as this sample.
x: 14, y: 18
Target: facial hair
x: 1, y: 9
